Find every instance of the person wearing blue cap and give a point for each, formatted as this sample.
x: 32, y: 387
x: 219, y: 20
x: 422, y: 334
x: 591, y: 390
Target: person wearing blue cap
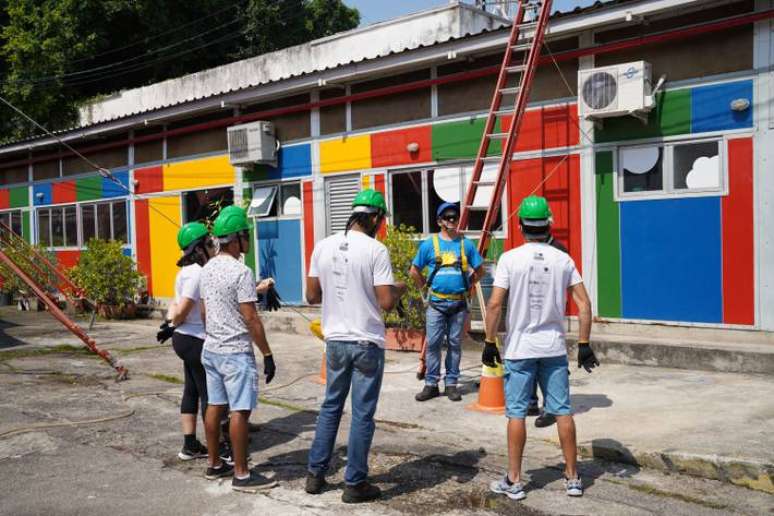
x: 454, y: 265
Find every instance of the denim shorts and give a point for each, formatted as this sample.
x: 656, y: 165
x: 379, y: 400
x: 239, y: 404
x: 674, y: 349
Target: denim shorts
x: 552, y: 376
x: 232, y: 379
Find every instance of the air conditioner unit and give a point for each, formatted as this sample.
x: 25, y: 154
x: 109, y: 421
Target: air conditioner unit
x: 253, y: 143
x: 619, y: 90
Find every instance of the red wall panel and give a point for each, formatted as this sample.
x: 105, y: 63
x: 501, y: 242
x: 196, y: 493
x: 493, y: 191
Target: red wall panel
x: 546, y: 128
x: 143, y: 240
x: 5, y: 199
x: 63, y: 192
x: 68, y: 259
x: 389, y: 148
x: 149, y: 180
x: 308, y: 222
x: 379, y: 186
x: 738, y: 236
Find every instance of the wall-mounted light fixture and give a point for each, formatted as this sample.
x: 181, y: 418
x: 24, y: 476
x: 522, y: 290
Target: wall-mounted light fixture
x: 412, y: 147
x: 740, y: 104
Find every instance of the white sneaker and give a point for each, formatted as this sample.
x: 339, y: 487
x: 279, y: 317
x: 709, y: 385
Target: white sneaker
x: 573, y: 486
x: 513, y: 490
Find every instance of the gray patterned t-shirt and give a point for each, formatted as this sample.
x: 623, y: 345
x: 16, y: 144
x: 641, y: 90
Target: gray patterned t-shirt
x: 225, y: 283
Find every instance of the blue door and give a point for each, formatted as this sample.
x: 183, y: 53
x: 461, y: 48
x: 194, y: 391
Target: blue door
x: 279, y: 249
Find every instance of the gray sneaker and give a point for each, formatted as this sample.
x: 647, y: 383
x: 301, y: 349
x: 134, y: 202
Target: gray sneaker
x: 573, y: 486
x: 513, y: 490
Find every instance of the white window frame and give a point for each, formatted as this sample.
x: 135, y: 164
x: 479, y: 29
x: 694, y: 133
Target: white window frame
x: 668, y: 190
x: 50, y: 209
x: 79, y: 206
x: 94, y: 205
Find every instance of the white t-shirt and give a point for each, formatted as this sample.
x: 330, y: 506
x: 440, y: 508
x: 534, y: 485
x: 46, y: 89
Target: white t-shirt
x: 537, y: 277
x: 349, y: 267
x: 225, y: 283
x: 187, y: 285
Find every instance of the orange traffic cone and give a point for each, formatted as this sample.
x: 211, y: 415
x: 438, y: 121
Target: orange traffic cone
x: 316, y: 329
x: 491, y: 392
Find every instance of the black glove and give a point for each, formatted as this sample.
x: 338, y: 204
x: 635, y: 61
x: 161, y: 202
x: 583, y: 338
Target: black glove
x: 165, y: 331
x: 272, y: 300
x: 269, y: 368
x: 400, y: 308
x: 491, y: 355
x: 586, y: 358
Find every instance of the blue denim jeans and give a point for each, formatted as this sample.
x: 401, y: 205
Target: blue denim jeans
x: 445, y: 321
x: 361, y: 365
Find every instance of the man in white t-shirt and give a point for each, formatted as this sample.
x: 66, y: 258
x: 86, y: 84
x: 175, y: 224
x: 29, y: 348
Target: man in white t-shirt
x: 351, y: 274
x: 536, y: 278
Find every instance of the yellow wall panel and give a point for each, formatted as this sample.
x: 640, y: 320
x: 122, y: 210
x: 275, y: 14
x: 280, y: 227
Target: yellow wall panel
x: 351, y: 153
x: 164, y: 223
x: 198, y: 173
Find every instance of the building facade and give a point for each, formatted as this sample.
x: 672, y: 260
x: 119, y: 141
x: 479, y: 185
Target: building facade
x: 669, y: 218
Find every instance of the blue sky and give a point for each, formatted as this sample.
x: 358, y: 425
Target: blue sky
x: 372, y: 11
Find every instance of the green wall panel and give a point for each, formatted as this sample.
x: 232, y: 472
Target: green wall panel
x: 26, y: 227
x: 19, y: 197
x: 671, y: 116
x: 496, y: 248
x: 247, y: 196
x: 255, y: 173
x: 460, y: 140
x: 608, y: 240
x: 89, y: 188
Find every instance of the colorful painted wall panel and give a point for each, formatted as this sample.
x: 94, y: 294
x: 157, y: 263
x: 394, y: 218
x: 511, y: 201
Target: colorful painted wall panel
x: 247, y: 196
x: 163, y: 223
x: 111, y: 188
x: 389, y: 148
x: 89, y: 188
x: 41, y: 194
x: 5, y: 199
x: 308, y: 199
x: 68, y: 259
x: 293, y: 161
x: 149, y: 180
x: 279, y: 248
x: 19, y: 197
x: 711, y: 107
x: 460, y: 140
x: 199, y: 173
x: 608, y: 239
x: 143, y: 244
x: 345, y: 153
x: 63, y: 192
x: 545, y: 128
x: 738, y: 236
x: 671, y: 260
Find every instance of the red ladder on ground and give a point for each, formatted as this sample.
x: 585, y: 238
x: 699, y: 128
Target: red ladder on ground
x: 520, y: 62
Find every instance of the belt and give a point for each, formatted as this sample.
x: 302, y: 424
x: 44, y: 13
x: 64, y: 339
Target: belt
x: 450, y: 297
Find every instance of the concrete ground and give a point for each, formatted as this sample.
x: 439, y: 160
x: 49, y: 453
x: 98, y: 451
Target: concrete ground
x: 72, y: 441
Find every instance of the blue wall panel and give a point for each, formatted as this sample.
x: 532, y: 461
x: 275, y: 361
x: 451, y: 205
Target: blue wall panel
x: 295, y: 161
x: 671, y: 260
x: 279, y: 255
x: 711, y: 107
x: 41, y: 194
x: 111, y: 189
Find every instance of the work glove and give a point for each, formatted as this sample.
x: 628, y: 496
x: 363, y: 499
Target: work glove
x: 269, y: 368
x: 271, y: 300
x: 400, y: 308
x: 165, y: 331
x: 586, y: 358
x: 490, y: 357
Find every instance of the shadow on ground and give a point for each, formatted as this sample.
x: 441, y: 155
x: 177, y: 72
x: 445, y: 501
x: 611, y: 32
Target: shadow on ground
x: 6, y: 341
x: 585, y: 402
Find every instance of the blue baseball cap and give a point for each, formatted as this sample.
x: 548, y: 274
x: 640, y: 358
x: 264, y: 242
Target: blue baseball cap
x: 447, y: 206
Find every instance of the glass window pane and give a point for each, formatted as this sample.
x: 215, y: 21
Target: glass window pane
x: 71, y: 227
x: 103, y: 221
x: 16, y: 222
x: 44, y: 228
x: 87, y: 222
x: 642, y: 169
x: 291, y: 199
x: 443, y: 185
x: 119, y: 221
x: 696, y: 166
x: 204, y: 205
x: 262, y: 204
x: 407, y: 200
x: 57, y: 227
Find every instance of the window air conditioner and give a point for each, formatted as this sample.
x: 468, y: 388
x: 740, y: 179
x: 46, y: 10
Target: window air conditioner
x: 253, y: 143
x: 619, y: 90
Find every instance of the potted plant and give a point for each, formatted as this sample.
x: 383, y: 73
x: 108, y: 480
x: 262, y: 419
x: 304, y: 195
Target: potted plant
x: 109, y: 278
x: 407, y: 331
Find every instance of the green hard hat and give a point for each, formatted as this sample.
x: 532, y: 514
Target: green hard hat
x: 232, y: 219
x: 535, y: 209
x: 190, y: 233
x: 370, y: 198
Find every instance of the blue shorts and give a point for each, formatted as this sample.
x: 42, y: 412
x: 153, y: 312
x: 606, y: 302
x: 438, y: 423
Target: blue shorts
x: 552, y: 376
x: 232, y: 379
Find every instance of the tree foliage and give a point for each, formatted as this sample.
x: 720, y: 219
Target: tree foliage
x: 55, y: 54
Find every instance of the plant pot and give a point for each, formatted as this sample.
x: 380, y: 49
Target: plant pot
x: 126, y: 311
x: 401, y: 339
x: 6, y: 298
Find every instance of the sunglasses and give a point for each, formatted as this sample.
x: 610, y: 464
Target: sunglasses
x: 450, y: 218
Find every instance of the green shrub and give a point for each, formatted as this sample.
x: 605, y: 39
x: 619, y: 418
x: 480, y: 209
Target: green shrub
x: 401, y: 242
x: 39, y: 273
x: 106, y: 274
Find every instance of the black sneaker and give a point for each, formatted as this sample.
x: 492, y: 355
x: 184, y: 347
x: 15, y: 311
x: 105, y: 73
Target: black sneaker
x: 252, y: 484
x: 544, y: 420
x: 533, y: 410
x: 429, y: 392
x: 197, y: 451
x: 362, y: 492
x: 225, y: 453
x: 222, y: 471
x: 315, y: 483
x: 453, y: 393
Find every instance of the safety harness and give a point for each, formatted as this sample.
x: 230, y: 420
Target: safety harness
x: 460, y: 262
